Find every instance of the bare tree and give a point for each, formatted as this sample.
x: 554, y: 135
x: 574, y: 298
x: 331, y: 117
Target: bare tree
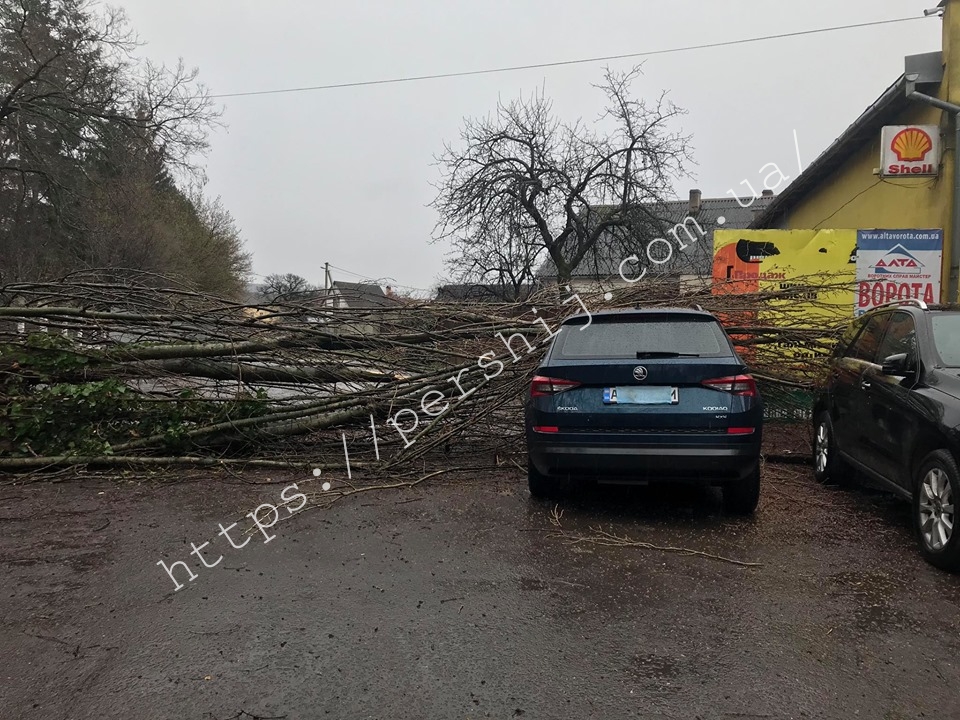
x: 523, y: 161
x: 285, y: 287
x: 69, y: 78
x: 502, y: 256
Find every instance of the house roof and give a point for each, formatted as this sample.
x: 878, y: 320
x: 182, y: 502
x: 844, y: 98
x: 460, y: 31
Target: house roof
x: 479, y: 292
x: 362, y: 295
x: 863, y: 130
x: 696, y: 259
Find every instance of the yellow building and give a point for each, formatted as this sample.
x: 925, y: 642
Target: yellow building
x: 844, y: 187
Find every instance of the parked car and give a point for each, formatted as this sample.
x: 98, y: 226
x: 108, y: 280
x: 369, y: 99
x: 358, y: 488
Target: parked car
x: 631, y: 396
x: 891, y: 410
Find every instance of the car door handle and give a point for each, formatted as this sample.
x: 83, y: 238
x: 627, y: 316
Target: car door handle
x: 865, y: 384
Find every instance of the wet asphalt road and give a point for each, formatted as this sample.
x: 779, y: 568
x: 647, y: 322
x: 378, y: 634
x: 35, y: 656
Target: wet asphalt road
x: 464, y: 600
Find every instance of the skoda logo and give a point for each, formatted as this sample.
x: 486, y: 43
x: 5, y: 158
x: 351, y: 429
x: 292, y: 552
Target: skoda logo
x: 640, y: 372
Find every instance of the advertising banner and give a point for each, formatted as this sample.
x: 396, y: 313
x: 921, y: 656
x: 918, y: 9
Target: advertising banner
x: 897, y: 265
x: 747, y: 261
x: 813, y: 272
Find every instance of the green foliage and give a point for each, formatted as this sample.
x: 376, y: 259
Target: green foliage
x: 41, y: 414
x: 43, y: 356
x: 65, y: 418
x: 99, y: 154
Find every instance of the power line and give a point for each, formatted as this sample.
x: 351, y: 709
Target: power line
x: 350, y: 272
x: 848, y: 202
x: 560, y: 63
x: 377, y: 281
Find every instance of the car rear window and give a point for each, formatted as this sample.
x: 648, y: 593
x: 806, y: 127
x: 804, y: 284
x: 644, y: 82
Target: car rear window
x: 624, y: 339
x: 946, y: 336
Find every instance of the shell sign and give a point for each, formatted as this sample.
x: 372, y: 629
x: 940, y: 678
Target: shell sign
x: 910, y: 150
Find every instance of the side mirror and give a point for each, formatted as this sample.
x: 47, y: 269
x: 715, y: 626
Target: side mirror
x: 895, y: 365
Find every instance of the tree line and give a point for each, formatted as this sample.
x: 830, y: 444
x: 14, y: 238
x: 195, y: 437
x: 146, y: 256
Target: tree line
x: 99, y: 152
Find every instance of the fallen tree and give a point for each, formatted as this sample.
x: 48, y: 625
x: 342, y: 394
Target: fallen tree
x: 99, y: 368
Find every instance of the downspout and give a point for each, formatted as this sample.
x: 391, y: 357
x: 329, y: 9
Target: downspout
x: 954, y: 110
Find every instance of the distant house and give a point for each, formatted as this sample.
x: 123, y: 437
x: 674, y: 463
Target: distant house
x: 483, y: 293
x: 360, y: 296
x: 684, y: 224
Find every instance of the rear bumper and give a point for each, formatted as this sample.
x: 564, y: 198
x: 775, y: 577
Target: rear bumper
x: 707, y: 463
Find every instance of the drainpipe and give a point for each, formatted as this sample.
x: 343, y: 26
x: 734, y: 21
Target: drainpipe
x: 954, y: 110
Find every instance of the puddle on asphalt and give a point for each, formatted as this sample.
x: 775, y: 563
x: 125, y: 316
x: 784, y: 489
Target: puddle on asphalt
x: 655, y: 667
x: 871, y: 595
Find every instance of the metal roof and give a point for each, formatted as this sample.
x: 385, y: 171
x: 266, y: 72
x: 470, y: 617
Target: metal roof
x: 865, y: 129
x: 484, y: 292
x: 362, y: 295
x: 696, y: 259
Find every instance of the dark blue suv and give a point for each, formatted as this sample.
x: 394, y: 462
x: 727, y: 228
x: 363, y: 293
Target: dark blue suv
x: 631, y: 396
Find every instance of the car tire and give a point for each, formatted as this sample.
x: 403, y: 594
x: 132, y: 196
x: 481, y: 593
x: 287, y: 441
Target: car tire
x: 934, y: 516
x: 543, y: 487
x: 742, y: 496
x: 827, y: 466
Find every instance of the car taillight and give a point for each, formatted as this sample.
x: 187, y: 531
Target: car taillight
x: 542, y: 386
x: 736, y: 384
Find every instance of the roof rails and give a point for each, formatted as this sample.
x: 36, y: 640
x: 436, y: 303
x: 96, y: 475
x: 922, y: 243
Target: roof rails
x: 911, y: 301
x: 693, y: 306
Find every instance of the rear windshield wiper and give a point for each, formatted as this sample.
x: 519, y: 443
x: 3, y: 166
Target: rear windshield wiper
x: 660, y: 354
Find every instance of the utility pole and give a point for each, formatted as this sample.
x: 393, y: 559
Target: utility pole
x: 327, y: 284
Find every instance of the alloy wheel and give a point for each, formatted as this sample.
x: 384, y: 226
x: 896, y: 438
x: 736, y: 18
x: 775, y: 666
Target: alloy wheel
x: 822, y: 448
x: 936, y: 509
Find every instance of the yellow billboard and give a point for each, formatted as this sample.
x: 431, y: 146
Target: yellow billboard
x: 811, y: 271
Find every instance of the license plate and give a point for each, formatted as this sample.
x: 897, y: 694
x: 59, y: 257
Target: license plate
x: 641, y: 396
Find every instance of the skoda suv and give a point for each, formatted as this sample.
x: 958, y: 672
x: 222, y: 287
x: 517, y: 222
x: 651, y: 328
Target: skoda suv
x: 632, y: 396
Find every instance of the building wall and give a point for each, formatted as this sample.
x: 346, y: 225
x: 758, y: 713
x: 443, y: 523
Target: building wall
x: 856, y: 198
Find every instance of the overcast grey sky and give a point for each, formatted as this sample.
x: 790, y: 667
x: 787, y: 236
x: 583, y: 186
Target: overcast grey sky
x: 344, y: 176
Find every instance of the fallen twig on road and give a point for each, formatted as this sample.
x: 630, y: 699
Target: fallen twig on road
x: 607, y: 539
x: 244, y: 715
x: 332, y: 496
x: 122, y: 460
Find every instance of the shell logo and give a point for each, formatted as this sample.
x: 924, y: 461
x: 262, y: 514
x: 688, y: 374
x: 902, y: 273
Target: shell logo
x: 911, y: 145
